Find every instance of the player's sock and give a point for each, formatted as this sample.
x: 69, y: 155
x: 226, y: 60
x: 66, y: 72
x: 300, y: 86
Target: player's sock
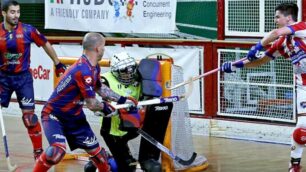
x: 41, y: 164
x: 36, y: 137
x: 32, y: 124
x: 52, y: 156
x: 99, y: 159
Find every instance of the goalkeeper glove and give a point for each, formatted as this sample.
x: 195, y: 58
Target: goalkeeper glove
x: 130, y: 100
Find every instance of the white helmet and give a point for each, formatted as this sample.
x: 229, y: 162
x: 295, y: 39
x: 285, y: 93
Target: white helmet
x: 123, y: 67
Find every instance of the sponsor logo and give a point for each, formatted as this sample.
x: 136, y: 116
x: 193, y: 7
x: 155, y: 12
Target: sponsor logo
x: 58, y: 136
x: 26, y: 102
x: 63, y: 84
x: 118, y: 5
x: 303, y: 138
x: 19, y: 36
x: 170, y: 99
x: 303, y: 105
x: 88, y: 79
x: 89, y: 89
x: 13, y: 62
x: 57, y: 1
x: 161, y: 108
x: 79, y: 102
x: 12, y: 56
x: 89, y: 141
x: 40, y: 73
x: 53, y: 117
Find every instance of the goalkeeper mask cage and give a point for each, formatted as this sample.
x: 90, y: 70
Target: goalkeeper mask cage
x: 123, y: 67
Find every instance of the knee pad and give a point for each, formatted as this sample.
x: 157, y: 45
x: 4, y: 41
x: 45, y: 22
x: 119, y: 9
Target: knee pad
x: 299, y: 135
x: 54, y: 154
x: 30, y: 120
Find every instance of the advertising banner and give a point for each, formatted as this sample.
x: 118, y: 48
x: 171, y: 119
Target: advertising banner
x: 112, y: 16
x: 190, y: 59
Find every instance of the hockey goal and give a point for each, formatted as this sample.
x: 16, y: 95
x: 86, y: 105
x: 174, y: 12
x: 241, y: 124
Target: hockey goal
x: 179, y: 134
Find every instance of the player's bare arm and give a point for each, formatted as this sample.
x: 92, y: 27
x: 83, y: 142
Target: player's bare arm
x: 60, y: 68
x: 275, y: 34
x: 256, y: 63
x: 107, y: 94
x: 51, y: 52
x: 93, y: 104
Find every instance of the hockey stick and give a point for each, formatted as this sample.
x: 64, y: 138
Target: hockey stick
x: 198, y: 77
x: 152, y: 101
x: 166, y: 150
x: 8, y: 161
x: 160, y: 100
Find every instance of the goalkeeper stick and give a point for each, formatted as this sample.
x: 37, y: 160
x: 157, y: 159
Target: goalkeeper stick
x: 166, y: 150
x: 152, y: 101
x: 198, y: 77
x: 7, y: 155
x: 85, y: 157
x: 160, y: 100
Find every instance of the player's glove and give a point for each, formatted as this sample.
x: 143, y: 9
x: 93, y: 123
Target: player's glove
x: 254, y: 52
x: 60, y: 69
x: 130, y: 100
x: 107, y: 111
x: 229, y: 67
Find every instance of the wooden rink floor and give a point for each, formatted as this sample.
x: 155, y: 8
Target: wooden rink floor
x: 224, y: 155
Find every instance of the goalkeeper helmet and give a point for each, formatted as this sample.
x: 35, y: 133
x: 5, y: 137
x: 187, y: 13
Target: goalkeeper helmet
x: 123, y: 67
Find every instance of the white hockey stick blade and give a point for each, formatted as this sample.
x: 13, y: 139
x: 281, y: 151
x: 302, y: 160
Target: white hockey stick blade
x: 7, y: 155
x: 198, y: 77
x: 152, y: 101
x: 10, y: 167
x: 189, y: 90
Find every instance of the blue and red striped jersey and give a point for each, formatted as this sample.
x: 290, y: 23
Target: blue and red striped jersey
x: 78, y: 83
x: 15, y: 47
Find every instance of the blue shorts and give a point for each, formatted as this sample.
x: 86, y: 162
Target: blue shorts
x: 22, y: 84
x: 78, y: 133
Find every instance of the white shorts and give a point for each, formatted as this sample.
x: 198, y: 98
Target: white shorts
x: 301, y: 99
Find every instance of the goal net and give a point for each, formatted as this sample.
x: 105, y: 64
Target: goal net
x: 181, y: 134
x: 265, y: 92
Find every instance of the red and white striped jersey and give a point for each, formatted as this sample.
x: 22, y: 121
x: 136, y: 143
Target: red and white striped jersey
x: 292, y: 47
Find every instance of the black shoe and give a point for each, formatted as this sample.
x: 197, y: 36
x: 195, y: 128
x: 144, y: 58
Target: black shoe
x: 151, y: 165
x: 90, y: 167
